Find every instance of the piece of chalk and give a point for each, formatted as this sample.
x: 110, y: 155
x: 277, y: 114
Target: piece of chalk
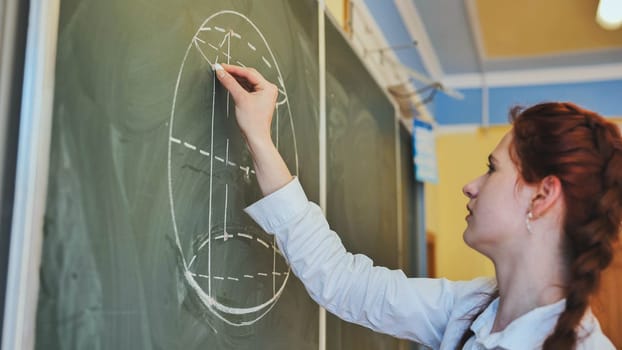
x: 217, y: 67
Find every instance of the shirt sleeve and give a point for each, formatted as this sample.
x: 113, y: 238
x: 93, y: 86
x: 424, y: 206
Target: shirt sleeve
x: 348, y: 285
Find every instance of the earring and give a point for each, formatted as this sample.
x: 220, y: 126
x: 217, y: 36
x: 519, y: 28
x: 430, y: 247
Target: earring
x: 528, y: 222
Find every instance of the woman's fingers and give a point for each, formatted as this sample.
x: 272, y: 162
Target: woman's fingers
x: 251, y: 76
x: 254, y: 97
x: 236, y: 90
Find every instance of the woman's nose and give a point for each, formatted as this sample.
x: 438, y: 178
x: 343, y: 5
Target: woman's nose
x: 469, y: 189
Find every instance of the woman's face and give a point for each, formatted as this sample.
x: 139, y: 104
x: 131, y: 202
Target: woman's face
x: 498, y: 204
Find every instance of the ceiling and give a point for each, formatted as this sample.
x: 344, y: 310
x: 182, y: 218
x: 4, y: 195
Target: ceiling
x: 457, y: 37
x: 528, y: 29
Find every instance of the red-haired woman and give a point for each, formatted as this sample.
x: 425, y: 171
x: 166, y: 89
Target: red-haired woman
x: 546, y: 214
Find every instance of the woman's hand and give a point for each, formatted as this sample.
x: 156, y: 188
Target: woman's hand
x: 255, y: 99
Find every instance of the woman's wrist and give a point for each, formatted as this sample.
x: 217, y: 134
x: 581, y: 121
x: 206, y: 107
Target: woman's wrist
x: 258, y: 143
x: 270, y: 168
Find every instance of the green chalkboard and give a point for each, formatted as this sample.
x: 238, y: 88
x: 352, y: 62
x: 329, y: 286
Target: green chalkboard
x: 361, y: 180
x: 145, y: 242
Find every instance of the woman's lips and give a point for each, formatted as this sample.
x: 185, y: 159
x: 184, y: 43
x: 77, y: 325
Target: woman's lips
x: 470, y: 214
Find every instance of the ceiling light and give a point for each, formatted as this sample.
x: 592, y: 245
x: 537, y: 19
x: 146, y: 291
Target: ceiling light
x: 609, y: 14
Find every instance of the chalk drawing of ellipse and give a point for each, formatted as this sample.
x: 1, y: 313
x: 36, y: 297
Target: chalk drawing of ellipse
x: 230, y: 264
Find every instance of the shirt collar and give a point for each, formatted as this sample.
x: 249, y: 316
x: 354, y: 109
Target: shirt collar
x: 526, y: 332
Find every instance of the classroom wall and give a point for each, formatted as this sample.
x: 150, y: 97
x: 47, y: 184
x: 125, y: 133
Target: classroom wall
x: 462, y: 156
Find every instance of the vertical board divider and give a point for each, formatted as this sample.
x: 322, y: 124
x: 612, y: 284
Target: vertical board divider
x: 322, y: 142
x: 398, y: 191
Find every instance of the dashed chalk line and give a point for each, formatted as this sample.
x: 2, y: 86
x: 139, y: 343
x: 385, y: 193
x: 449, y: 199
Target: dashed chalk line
x: 237, y: 279
x: 245, y: 169
x: 262, y: 242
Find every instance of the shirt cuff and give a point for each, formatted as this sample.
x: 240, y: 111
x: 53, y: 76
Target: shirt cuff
x: 279, y: 207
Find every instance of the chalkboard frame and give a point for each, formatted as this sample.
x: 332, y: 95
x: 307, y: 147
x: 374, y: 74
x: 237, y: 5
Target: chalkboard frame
x: 14, y: 21
x: 31, y: 175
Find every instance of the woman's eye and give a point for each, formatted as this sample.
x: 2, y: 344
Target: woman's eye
x: 491, y: 168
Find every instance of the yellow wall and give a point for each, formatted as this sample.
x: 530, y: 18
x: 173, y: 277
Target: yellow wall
x: 462, y: 156
x: 336, y: 7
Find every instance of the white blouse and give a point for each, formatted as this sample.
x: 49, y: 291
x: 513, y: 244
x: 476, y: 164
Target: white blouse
x: 433, y: 312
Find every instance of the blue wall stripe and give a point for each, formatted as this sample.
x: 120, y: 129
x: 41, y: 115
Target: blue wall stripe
x: 604, y: 97
x: 449, y: 111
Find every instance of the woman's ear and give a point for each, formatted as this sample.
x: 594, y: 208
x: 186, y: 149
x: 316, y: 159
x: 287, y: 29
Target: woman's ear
x: 548, y: 193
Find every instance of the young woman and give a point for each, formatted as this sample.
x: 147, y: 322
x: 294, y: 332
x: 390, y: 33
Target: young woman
x: 546, y: 214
